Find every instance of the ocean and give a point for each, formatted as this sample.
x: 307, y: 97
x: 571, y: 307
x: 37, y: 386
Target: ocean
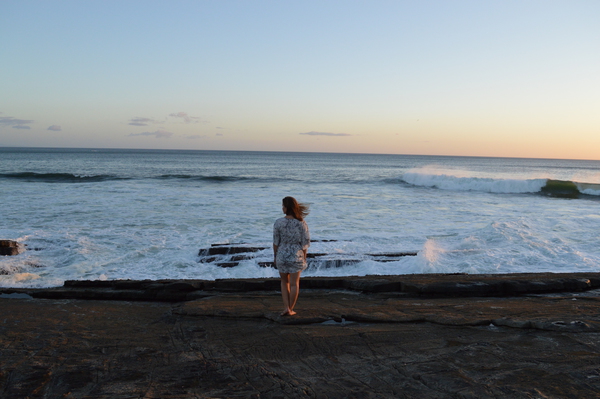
x: 146, y: 214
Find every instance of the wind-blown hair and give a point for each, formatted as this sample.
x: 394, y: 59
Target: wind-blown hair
x: 295, y: 209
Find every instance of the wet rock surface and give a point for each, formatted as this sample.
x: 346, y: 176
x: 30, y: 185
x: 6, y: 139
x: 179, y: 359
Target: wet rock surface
x: 230, y: 255
x: 10, y: 248
x: 370, y: 337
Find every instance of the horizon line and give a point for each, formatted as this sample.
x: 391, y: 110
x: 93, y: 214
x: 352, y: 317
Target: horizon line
x: 294, y: 152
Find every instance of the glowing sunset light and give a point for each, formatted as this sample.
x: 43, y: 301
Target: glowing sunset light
x: 506, y: 79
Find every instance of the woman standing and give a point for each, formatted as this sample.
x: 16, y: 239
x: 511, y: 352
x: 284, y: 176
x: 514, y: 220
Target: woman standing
x: 291, y: 240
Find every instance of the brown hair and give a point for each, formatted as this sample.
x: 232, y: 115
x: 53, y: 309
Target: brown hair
x: 295, y: 209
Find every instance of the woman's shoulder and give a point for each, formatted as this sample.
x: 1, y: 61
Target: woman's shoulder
x: 280, y: 221
x: 285, y: 220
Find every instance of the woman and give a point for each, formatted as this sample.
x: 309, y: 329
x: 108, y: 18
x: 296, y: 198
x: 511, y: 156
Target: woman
x: 291, y: 240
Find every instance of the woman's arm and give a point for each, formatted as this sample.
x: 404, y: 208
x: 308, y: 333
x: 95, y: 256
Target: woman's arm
x: 276, y: 239
x: 305, y: 240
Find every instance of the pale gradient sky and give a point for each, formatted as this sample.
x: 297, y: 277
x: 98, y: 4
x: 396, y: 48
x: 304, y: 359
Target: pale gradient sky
x: 483, y: 78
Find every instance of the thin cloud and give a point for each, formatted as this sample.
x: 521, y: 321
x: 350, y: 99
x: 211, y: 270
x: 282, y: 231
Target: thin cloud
x: 325, y: 134
x: 159, y: 134
x: 15, y: 123
x: 219, y: 134
x: 186, y: 118
x: 138, y: 121
x: 55, y: 128
x: 195, y: 137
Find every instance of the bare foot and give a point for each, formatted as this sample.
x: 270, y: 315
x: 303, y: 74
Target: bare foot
x: 288, y: 312
x: 291, y: 313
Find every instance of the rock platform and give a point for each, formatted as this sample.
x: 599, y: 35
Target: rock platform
x: 230, y: 255
x: 413, y: 336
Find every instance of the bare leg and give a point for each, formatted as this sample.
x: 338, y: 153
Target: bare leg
x: 285, y: 292
x: 294, y: 291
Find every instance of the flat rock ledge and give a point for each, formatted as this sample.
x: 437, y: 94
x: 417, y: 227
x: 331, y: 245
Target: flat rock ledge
x: 545, y: 301
x: 414, y: 336
x: 414, y: 285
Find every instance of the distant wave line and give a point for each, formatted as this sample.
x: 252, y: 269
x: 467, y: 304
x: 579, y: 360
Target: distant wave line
x: 59, y: 177
x: 220, y: 178
x: 75, y: 178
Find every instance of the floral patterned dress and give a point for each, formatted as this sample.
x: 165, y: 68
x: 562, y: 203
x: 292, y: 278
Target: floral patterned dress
x: 291, y: 237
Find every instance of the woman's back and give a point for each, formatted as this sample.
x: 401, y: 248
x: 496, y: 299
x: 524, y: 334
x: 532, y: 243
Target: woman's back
x: 290, y: 232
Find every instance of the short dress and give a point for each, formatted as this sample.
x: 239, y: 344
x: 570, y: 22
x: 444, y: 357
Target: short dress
x: 291, y: 237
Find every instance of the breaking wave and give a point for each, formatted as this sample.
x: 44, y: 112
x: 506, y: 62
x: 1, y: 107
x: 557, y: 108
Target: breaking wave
x: 549, y: 187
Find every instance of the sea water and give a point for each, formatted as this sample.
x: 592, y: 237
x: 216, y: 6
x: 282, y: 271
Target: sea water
x: 145, y: 214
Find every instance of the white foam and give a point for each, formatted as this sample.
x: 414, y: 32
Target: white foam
x: 468, y: 183
x: 153, y: 228
x: 589, y: 189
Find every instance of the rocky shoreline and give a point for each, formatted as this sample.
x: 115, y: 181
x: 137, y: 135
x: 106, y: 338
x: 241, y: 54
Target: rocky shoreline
x: 430, y: 336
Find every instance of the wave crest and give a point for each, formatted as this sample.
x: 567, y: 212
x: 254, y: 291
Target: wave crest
x: 490, y: 185
x: 550, y: 187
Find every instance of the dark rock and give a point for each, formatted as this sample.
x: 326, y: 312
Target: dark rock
x: 132, y: 290
x: 312, y: 255
x: 208, y: 259
x: 184, y: 286
x: 170, y: 296
x: 238, y: 258
x: 228, y: 250
x: 460, y: 288
x: 578, y: 284
x: 10, y: 248
x: 442, y: 285
x: 352, y: 337
x: 320, y: 283
x: 135, y: 284
x: 543, y: 286
x: 245, y: 285
x: 95, y: 294
x: 374, y: 285
x: 227, y: 264
x: 229, y: 255
x: 94, y: 283
x: 266, y: 264
x: 393, y: 254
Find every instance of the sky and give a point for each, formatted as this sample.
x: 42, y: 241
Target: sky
x: 474, y: 78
